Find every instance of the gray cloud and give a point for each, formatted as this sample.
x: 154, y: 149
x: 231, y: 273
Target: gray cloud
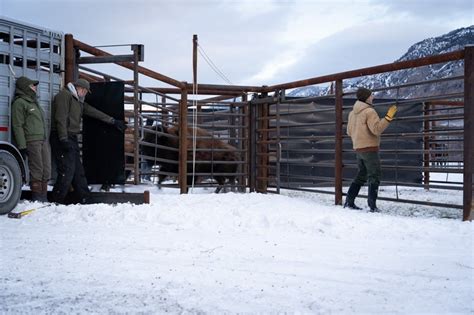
x: 242, y: 37
x: 436, y: 9
x: 362, y: 46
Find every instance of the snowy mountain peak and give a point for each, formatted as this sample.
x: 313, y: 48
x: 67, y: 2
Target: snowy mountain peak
x: 452, y: 41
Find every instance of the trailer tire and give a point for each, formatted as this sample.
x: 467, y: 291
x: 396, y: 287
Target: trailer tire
x: 10, y: 182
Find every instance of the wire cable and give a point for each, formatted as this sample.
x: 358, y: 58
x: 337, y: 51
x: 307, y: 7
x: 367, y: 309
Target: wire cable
x: 213, y: 65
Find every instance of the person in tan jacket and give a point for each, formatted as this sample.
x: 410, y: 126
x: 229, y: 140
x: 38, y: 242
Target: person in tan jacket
x: 365, y: 127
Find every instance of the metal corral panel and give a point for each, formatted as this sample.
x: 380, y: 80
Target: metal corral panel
x: 30, y: 51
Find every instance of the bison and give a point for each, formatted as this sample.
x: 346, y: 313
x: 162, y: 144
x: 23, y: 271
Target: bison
x: 169, y: 137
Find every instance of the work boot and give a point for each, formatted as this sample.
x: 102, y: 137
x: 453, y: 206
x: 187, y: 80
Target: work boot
x: 44, y: 191
x: 372, y: 197
x: 352, y: 193
x: 36, y: 191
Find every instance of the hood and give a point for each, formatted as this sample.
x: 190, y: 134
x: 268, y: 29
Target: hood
x: 360, y: 106
x: 23, y: 87
x: 73, y: 91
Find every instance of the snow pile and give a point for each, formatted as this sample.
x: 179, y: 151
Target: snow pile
x: 233, y: 253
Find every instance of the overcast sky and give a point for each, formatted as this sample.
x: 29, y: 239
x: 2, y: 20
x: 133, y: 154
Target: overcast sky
x: 253, y: 42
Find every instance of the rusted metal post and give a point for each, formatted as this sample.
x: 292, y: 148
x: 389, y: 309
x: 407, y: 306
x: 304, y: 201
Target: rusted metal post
x: 183, y: 142
x: 195, y: 84
x: 245, y: 145
x: 136, y: 125
x: 165, y: 113
x: 281, y: 98
x: 426, y: 144
x: 195, y: 44
x: 252, y: 132
x: 146, y: 196
x: 468, y: 131
x: 262, y: 147
x: 338, y: 145
x: 69, y: 59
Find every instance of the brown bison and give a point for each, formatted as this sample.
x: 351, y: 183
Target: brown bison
x: 212, y: 160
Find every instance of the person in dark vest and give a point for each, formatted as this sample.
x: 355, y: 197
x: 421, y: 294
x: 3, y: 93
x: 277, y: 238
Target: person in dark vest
x: 66, y: 115
x: 30, y: 132
x: 365, y: 128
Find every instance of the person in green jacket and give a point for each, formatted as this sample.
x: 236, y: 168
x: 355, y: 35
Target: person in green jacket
x: 30, y: 133
x: 66, y: 115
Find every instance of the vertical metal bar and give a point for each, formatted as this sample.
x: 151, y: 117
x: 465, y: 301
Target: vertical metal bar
x: 136, y: 153
x: 69, y: 59
x: 262, y: 161
x: 426, y: 144
x: 232, y: 122
x: 195, y: 85
x: 338, y: 145
x: 195, y: 44
x: 245, y: 138
x: 24, y: 56
x: 261, y: 182
x: 252, y: 146
x: 183, y: 141
x: 468, y: 131
x: 164, y: 113
x: 278, y: 144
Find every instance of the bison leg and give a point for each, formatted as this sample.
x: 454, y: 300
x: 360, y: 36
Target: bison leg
x: 221, y: 181
x: 162, y: 177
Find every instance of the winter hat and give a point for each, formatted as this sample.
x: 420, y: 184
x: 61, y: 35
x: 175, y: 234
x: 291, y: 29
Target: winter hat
x: 23, y: 83
x: 23, y: 87
x: 363, y: 94
x: 83, y: 84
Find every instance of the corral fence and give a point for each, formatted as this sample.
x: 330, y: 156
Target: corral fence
x: 299, y: 143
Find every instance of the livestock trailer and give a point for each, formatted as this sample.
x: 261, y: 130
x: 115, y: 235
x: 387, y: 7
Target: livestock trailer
x: 25, y: 50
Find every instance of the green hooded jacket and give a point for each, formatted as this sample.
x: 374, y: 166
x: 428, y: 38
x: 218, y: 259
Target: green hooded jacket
x: 67, y: 111
x: 28, y: 121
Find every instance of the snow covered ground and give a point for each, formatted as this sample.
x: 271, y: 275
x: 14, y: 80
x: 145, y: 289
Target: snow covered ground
x: 239, y: 253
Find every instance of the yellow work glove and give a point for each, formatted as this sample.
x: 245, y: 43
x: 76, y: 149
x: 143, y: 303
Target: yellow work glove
x: 391, y: 113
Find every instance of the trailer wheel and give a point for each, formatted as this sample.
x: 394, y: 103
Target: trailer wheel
x: 10, y: 182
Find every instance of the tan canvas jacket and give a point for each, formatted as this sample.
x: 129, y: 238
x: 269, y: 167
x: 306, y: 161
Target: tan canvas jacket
x: 365, y: 126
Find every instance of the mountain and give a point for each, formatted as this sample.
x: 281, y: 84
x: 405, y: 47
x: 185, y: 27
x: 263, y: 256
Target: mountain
x: 308, y: 91
x: 449, y: 42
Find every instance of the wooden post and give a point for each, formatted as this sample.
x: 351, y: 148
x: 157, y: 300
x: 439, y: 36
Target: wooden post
x: 183, y: 142
x: 338, y: 145
x: 468, y: 133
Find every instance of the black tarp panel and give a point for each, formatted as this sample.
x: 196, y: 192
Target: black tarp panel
x: 103, y: 144
x: 315, y: 162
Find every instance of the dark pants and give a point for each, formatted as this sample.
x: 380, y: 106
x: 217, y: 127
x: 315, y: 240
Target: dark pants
x: 369, y: 168
x: 70, y: 172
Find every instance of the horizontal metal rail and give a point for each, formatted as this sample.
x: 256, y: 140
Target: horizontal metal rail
x: 158, y: 146
x: 301, y: 189
x: 452, y: 56
x: 405, y: 85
